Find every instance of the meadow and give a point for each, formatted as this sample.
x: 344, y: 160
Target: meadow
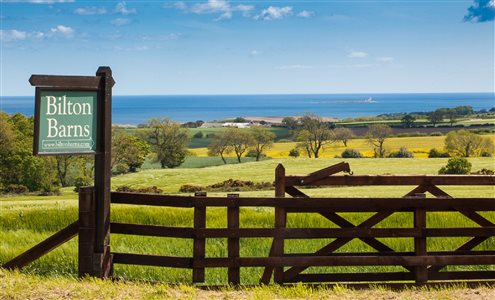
x: 26, y: 220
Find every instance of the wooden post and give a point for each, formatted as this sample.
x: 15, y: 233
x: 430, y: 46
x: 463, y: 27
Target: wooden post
x: 280, y: 221
x: 103, y: 170
x: 199, y: 244
x: 420, y: 249
x: 87, y: 227
x: 233, y: 243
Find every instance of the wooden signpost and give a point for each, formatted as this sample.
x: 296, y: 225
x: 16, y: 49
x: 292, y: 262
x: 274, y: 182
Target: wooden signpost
x: 73, y: 115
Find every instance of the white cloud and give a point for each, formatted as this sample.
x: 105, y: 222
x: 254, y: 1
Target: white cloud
x: 306, y: 14
x: 274, y: 13
x: 164, y: 37
x: 64, y: 31
x: 386, y: 59
x: 222, y: 7
x: 120, y: 21
x: 121, y: 8
x: 12, y: 35
x: 87, y: 11
x: 254, y: 52
x: 357, y: 54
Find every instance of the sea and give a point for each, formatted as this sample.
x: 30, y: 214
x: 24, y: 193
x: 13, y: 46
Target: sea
x: 136, y: 110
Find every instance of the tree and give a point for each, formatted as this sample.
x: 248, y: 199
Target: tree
x: 456, y: 165
x: 16, y: 159
x: 314, y: 134
x: 291, y: 123
x: 377, y: 134
x: 435, y: 117
x: 128, y: 150
x: 64, y: 162
x: 452, y: 115
x: 263, y: 139
x: 169, y: 141
x: 408, y: 120
x: 465, y: 143
x: 220, y: 145
x: 240, y: 141
x: 343, y: 134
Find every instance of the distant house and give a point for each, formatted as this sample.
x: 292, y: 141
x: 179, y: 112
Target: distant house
x: 238, y: 125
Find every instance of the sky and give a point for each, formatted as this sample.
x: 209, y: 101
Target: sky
x: 252, y: 47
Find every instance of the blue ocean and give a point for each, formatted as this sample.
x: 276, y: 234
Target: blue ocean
x: 138, y: 109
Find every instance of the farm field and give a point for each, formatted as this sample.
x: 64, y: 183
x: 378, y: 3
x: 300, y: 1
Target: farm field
x: 420, y: 146
x: 26, y: 220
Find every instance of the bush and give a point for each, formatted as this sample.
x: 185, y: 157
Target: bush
x: 402, y: 153
x: 434, y: 153
x: 82, y: 181
x: 351, y: 153
x: 484, y: 172
x: 198, y: 135
x: 211, y: 135
x: 456, y: 165
x: 189, y: 188
x: 15, y: 189
x: 253, y: 153
x: 294, y: 153
x: 145, y: 190
x: 436, y: 133
x: 120, y: 169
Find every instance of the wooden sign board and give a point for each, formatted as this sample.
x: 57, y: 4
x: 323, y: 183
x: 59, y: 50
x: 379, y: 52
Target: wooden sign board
x: 65, y: 121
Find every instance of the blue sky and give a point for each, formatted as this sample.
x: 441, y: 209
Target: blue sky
x: 253, y: 47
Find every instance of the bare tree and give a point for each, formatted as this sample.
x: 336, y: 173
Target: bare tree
x: 343, y: 134
x: 240, y: 141
x: 377, y: 134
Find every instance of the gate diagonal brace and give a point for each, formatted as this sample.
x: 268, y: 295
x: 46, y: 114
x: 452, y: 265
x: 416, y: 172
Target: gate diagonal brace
x: 320, y: 174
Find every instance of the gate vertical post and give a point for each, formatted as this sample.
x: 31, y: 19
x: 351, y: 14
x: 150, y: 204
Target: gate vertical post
x: 280, y: 222
x: 420, y: 248
x: 233, y: 243
x: 199, y: 244
x: 103, y: 171
x: 87, y: 226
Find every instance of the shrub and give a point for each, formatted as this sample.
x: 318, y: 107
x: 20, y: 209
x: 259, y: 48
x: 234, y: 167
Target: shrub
x: 198, y: 135
x: 351, y: 153
x: 253, y: 153
x: 15, y: 189
x: 189, y: 188
x: 146, y: 190
x: 82, y: 181
x: 436, y: 133
x: 484, y: 172
x: 402, y: 153
x: 120, y: 169
x: 434, y: 153
x: 456, y: 165
x: 294, y: 153
x: 210, y: 135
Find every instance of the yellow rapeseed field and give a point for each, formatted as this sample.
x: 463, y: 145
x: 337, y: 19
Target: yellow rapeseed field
x: 420, y: 146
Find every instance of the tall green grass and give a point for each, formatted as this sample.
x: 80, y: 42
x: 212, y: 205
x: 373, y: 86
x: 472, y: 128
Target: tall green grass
x: 26, y: 220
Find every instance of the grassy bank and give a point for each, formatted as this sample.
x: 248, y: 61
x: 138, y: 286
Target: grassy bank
x: 14, y: 285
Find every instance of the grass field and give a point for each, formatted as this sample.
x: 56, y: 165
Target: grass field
x: 25, y: 220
